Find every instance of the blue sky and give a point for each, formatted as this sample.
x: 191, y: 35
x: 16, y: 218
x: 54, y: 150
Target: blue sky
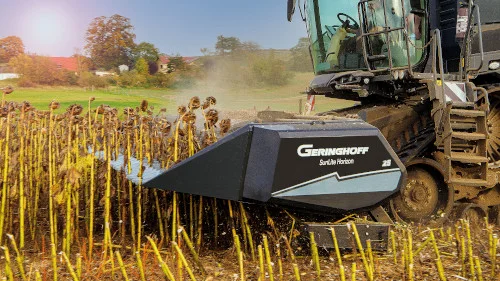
x: 57, y: 27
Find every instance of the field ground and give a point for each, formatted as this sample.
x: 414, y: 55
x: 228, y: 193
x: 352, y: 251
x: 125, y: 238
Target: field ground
x: 284, y: 98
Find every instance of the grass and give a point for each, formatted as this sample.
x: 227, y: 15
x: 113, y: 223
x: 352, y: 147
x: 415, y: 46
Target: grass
x: 66, y: 96
x: 284, y: 98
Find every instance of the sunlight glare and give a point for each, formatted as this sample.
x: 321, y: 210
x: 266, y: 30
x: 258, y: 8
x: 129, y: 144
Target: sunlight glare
x: 47, y: 26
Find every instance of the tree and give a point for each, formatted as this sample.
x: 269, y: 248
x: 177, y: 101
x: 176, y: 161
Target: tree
x: 37, y: 69
x: 249, y: 46
x: 141, y: 66
x: 153, y: 67
x: 300, y: 59
x: 226, y: 45
x: 270, y: 71
x: 110, y: 41
x: 147, y: 51
x: 205, y: 51
x: 10, y: 47
x: 22, y: 64
x: 176, y: 63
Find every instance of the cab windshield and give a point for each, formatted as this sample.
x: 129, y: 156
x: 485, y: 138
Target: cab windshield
x: 334, y: 30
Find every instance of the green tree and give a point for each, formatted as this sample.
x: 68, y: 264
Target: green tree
x: 176, y: 63
x: 300, y: 59
x: 141, y: 66
x: 225, y: 45
x: 147, y: 51
x: 110, y: 41
x: 10, y: 47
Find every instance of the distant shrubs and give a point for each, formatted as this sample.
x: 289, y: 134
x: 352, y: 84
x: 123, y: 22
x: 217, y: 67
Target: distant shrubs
x: 251, y: 69
x: 131, y: 79
x: 160, y: 80
x: 25, y: 83
x: 87, y: 79
x: 270, y: 71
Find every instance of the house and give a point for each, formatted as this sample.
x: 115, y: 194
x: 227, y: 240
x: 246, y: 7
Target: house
x: 5, y: 76
x: 66, y: 63
x: 104, y: 73
x: 163, y: 63
x: 123, y: 68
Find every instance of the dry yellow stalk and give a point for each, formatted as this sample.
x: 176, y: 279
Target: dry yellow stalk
x: 439, y: 263
x: 139, y: 265
x: 268, y: 258
x: 122, y: 266
x: 337, y: 252
x: 69, y: 266
x: 8, y: 264
x: 19, y: 257
x: 190, y: 245
x: 368, y: 270
x: 163, y: 265
x: 184, y: 261
x: 261, y: 263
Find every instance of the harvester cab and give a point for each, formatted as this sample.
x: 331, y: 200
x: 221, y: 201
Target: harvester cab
x: 422, y: 142
x: 368, y: 35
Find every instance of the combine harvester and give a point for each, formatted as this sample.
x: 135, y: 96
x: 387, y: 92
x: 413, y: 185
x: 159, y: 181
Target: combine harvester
x: 426, y: 139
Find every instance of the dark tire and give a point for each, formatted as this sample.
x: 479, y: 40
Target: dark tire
x: 425, y: 197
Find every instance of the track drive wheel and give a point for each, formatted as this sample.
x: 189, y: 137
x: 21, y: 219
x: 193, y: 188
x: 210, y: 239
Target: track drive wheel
x: 493, y: 120
x: 494, y: 214
x: 473, y: 213
x: 423, y: 199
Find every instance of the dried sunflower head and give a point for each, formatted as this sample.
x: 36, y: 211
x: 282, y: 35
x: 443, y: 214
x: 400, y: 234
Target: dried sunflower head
x: 212, y: 117
x: 101, y: 108
x: 26, y: 106
x: 144, y: 105
x: 181, y: 132
x: 4, y: 111
x: 129, y: 111
x: 189, y: 117
x: 75, y: 109
x: 8, y: 90
x: 181, y: 109
x: 111, y: 111
x: 165, y: 127
x: 205, y: 105
x: 211, y: 100
x: 194, y: 103
x: 225, y: 125
x: 91, y: 99
x: 54, y: 105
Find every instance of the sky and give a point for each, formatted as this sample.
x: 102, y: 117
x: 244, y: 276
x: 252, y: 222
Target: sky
x: 58, y: 27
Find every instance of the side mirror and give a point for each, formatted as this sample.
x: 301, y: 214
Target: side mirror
x: 290, y: 9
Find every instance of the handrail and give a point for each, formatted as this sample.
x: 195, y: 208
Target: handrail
x: 436, y: 44
x: 465, y: 49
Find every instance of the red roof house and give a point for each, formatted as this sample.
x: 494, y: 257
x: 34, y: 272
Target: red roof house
x: 66, y: 63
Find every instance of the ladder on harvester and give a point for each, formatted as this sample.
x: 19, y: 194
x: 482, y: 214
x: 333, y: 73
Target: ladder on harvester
x: 465, y: 133
x: 460, y: 111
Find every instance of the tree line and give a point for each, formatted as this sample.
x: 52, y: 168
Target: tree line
x: 110, y: 42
